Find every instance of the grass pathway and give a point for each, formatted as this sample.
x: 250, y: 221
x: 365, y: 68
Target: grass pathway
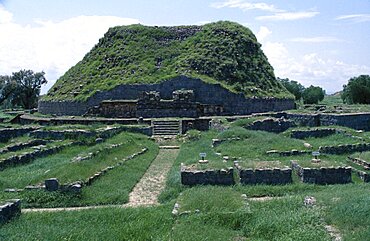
x: 145, y: 192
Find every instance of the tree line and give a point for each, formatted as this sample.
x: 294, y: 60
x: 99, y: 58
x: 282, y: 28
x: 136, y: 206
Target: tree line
x: 21, y: 89
x: 310, y: 95
x: 357, y: 91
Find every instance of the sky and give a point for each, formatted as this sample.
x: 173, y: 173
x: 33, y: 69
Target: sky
x: 317, y: 42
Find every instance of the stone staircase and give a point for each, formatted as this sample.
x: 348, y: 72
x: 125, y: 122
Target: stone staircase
x: 166, y: 127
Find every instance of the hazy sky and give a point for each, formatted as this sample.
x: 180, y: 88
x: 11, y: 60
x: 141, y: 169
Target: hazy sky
x: 319, y: 42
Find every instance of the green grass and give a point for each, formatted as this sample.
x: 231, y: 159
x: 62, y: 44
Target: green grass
x: 99, y: 224
x: 244, y: 122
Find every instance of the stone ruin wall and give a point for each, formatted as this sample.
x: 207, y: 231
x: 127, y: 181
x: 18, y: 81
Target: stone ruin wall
x: 212, y: 94
x: 9, y: 210
x: 358, y: 121
x: 323, y: 175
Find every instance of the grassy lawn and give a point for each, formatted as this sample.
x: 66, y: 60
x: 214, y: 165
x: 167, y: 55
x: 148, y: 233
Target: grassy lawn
x: 216, y: 213
x: 99, y: 224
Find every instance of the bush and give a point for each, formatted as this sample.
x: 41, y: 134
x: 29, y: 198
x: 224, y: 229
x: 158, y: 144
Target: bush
x: 357, y: 91
x: 313, y: 94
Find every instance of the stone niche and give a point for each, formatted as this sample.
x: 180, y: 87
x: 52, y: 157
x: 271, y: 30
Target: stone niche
x: 183, y: 95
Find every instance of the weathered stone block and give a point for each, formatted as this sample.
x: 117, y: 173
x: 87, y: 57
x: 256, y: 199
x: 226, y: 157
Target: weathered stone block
x: 52, y: 184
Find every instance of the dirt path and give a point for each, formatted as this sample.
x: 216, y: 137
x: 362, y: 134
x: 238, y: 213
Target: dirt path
x: 146, y: 191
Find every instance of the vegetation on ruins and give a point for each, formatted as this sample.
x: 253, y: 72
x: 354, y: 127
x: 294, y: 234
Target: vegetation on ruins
x: 357, y: 91
x: 22, y: 89
x: 222, y: 52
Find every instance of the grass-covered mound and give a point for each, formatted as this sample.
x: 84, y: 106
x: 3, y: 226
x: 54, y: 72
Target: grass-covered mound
x: 221, y: 52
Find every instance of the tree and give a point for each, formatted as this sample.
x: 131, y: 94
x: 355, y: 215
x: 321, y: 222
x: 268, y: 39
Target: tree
x: 313, y: 94
x: 293, y: 87
x: 7, y: 88
x: 357, y: 91
x: 28, y: 88
x: 22, y: 88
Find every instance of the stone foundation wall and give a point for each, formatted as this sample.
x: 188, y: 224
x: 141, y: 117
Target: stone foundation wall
x: 75, y: 134
x: 312, y: 133
x: 30, y: 156
x: 19, y: 146
x: 324, y: 175
x: 204, y: 93
x: 207, y: 177
x: 363, y: 163
x: 358, y: 121
x: 271, y: 125
x: 9, y: 210
x: 8, y: 133
x: 304, y: 119
x: 363, y: 175
x: 342, y: 149
x: 274, y: 176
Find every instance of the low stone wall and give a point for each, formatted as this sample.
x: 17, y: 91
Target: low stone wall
x: 217, y: 142
x: 63, y: 120
x: 304, y: 119
x: 288, y: 153
x: 323, y: 175
x: 9, y: 210
x: 61, y: 135
x: 363, y: 163
x: 30, y: 156
x: 19, y: 146
x: 276, y: 176
x: 76, y: 134
x: 207, y: 177
x: 8, y: 133
x: 342, y: 149
x: 363, y: 175
x: 271, y: 125
x: 316, y: 133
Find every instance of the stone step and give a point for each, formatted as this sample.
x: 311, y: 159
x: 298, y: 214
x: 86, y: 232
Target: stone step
x: 166, y: 128
x: 168, y: 131
x: 166, y: 123
x: 165, y: 132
